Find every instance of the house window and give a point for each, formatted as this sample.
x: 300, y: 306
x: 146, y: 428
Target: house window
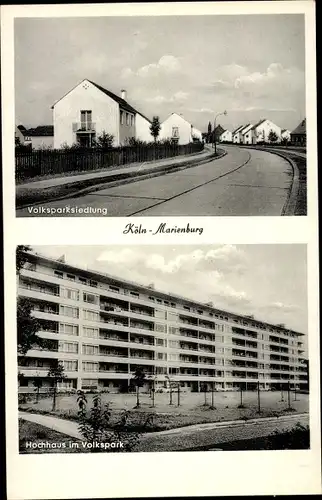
x: 121, y: 117
x: 71, y: 277
x: 91, y: 315
x: 68, y: 347
x: 86, y: 120
x: 70, y: 293
x: 90, y: 367
x: 175, y: 131
x: 59, y: 274
x: 90, y: 332
x: 132, y: 120
x: 72, y: 312
x: 127, y: 119
x: 90, y: 298
x: 90, y: 349
x: 68, y: 329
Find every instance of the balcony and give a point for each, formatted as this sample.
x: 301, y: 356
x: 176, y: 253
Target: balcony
x: 79, y: 127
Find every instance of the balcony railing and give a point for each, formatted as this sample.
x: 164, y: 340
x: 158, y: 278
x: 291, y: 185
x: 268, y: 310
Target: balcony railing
x: 84, y: 127
x: 39, y: 290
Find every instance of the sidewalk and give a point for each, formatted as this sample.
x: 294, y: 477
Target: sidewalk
x: 58, y: 187
x: 190, y: 436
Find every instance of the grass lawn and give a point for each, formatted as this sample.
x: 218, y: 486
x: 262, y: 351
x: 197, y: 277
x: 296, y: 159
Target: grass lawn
x: 192, y: 409
x: 29, y: 432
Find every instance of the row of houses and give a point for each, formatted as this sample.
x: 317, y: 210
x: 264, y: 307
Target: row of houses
x: 264, y: 131
x: 88, y: 110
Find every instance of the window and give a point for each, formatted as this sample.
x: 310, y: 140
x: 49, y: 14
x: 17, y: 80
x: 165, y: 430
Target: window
x: 160, y: 370
x: 91, y: 315
x: 174, y: 344
x: 173, y: 317
x: 166, y: 302
x: 68, y: 329
x: 173, y: 357
x: 199, y: 311
x: 121, y: 117
x: 93, y: 283
x: 90, y: 349
x: 90, y: 298
x: 82, y: 280
x: 135, y: 294
x: 175, y: 131
x: 90, y: 332
x: 89, y: 383
x: 70, y: 293
x: 86, y: 120
x: 151, y: 298
x: 162, y: 355
x: 159, y: 314
x: 172, y: 304
x: 70, y: 366
x: 160, y: 328
x: 71, y: 277
x: 114, y: 288
x: 59, y: 274
x: 159, y: 301
x: 67, y: 346
x: 72, y: 312
x: 161, y: 342
x: 186, y: 308
x: 173, y: 330
x: 89, y: 366
x: 132, y: 120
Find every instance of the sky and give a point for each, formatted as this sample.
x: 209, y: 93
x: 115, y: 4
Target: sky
x: 251, y: 65
x: 268, y: 281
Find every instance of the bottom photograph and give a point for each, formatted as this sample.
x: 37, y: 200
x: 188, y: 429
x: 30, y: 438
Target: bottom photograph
x: 162, y: 348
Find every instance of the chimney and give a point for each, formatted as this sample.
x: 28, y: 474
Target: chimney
x: 123, y: 94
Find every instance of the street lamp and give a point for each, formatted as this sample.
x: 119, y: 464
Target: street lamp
x: 219, y: 114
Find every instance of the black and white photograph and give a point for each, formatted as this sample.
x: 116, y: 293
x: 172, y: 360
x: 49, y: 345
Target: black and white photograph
x: 161, y: 348
x: 200, y: 115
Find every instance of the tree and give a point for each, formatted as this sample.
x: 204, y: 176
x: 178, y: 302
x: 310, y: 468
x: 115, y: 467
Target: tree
x: 27, y: 325
x: 104, y: 141
x: 138, y: 379
x: 21, y: 257
x: 155, y: 128
x: 37, y: 383
x: 56, y: 373
x: 209, y: 132
x: 272, y: 136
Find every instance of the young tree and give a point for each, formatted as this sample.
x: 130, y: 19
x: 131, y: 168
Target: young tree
x: 272, y: 136
x: 104, y: 141
x: 138, y: 379
x: 155, y: 128
x: 37, y: 383
x: 56, y: 373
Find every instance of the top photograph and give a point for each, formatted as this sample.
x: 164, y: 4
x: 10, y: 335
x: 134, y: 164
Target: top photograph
x: 199, y: 115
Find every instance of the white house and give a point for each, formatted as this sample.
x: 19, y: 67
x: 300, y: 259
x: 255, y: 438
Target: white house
x: 177, y: 129
x: 236, y: 134
x: 246, y: 134
x: 286, y: 134
x: 226, y: 136
x: 41, y: 137
x: 88, y: 109
x: 262, y: 129
x: 142, y: 128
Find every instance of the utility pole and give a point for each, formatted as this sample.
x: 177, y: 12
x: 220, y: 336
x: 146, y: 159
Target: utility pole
x: 178, y: 393
x: 218, y: 114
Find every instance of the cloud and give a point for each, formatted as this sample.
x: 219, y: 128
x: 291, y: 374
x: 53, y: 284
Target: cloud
x: 160, y: 99
x: 167, y: 64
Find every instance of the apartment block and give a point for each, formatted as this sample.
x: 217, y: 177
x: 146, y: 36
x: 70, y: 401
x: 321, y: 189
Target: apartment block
x: 102, y: 328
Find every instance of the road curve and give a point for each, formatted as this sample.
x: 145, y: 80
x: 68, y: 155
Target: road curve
x: 245, y: 182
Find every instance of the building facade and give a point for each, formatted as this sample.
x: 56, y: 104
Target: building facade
x: 102, y: 328
x: 88, y: 110
x: 261, y: 131
x: 179, y: 130
x: 298, y: 135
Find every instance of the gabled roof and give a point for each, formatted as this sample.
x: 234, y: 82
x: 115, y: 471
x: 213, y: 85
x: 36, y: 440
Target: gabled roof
x: 122, y: 103
x: 238, y: 129
x: 259, y: 123
x: 219, y: 130
x: 41, y: 130
x: 301, y: 128
x: 245, y: 129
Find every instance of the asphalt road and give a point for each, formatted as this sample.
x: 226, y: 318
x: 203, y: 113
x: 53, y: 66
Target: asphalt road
x: 244, y: 182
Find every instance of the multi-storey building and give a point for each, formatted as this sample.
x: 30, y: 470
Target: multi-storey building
x: 102, y: 328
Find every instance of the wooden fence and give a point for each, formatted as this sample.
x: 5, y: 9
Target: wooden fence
x: 39, y: 163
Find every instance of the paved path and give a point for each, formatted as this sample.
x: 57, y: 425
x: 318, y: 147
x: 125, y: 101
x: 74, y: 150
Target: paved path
x: 187, y: 437
x: 244, y: 182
